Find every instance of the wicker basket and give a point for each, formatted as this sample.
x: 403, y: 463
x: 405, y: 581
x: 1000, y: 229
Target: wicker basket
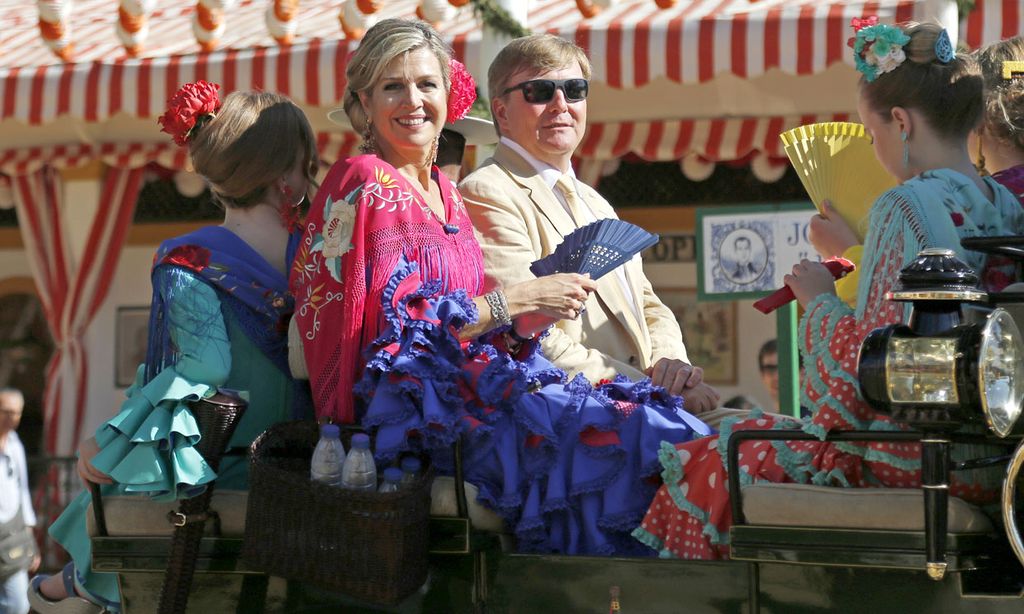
x: 365, y: 545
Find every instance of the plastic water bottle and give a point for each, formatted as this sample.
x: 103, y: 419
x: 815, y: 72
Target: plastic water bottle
x: 392, y: 480
x: 359, y: 471
x: 328, y: 456
x: 410, y: 470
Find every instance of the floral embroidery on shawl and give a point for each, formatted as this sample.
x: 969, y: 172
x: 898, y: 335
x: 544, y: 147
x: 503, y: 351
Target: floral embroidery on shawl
x: 365, y: 218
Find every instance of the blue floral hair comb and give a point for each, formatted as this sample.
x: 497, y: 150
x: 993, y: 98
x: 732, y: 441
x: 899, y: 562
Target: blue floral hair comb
x: 944, y: 48
x: 877, y: 47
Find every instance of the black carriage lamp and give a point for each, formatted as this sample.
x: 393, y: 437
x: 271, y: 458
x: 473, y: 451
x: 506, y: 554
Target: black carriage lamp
x: 956, y: 361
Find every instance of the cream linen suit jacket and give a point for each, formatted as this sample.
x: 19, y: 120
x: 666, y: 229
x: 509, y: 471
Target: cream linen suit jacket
x: 518, y: 219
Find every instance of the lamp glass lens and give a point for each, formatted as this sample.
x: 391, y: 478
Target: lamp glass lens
x: 921, y: 370
x: 1000, y: 371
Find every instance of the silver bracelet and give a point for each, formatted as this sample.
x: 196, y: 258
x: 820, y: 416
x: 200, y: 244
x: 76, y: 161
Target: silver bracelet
x: 499, y: 308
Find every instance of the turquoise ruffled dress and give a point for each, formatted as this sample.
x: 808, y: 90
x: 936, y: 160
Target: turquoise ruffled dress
x: 148, y: 448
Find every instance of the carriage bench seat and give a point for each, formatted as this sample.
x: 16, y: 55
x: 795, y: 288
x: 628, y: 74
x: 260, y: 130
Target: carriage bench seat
x: 140, y: 516
x: 884, y: 527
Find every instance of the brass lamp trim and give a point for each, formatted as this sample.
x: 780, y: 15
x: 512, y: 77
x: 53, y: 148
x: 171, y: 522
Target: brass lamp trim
x: 937, y: 295
x: 1009, y: 493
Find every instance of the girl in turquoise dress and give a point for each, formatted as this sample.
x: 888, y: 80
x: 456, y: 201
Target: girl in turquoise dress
x: 219, y: 317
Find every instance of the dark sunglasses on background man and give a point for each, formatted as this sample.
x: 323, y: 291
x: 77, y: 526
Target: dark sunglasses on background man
x: 541, y: 91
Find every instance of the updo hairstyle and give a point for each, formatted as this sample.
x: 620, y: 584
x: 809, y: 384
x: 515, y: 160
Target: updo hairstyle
x: 254, y: 139
x: 1004, y: 98
x: 947, y: 94
x: 385, y: 41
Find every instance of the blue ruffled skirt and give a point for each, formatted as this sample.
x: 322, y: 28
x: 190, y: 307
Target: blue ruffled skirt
x: 571, y: 467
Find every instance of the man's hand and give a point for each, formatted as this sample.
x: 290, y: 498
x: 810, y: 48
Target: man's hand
x: 700, y: 399
x: 675, y: 375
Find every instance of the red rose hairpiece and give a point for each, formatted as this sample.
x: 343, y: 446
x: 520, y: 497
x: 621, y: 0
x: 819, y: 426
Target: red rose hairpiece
x: 462, y: 93
x: 867, y: 22
x: 191, y: 102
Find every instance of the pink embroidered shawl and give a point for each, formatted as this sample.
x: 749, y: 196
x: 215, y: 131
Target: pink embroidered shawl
x: 364, y: 219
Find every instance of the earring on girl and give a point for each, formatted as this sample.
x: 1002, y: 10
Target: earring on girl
x: 906, y: 149
x: 369, y: 144
x: 290, y: 208
x: 980, y: 166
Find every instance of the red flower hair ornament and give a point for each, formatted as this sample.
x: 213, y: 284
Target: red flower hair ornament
x: 462, y: 93
x: 191, y: 102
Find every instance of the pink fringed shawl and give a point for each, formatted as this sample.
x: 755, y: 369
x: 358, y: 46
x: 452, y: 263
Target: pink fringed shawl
x: 364, y: 219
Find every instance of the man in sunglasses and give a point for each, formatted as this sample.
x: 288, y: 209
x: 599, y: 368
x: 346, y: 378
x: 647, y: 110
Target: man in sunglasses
x: 526, y: 197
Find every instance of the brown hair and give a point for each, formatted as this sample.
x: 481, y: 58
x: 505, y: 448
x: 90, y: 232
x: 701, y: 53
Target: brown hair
x: 1004, y: 98
x: 538, y: 53
x: 382, y: 43
x: 947, y: 94
x: 253, y: 140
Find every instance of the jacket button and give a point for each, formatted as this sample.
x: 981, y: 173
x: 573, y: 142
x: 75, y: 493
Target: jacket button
x: 632, y: 360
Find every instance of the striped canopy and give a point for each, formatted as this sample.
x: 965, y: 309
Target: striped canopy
x: 632, y: 44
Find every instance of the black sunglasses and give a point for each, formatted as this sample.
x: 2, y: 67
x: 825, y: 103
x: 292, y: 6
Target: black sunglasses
x: 541, y: 91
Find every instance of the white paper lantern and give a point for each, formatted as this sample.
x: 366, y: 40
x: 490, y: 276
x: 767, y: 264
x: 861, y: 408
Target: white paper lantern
x: 437, y: 11
x: 767, y: 170
x: 353, y: 21
x: 695, y: 168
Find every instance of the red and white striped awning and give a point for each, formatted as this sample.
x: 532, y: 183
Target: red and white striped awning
x: 631, y: 44
x: 992, y: 20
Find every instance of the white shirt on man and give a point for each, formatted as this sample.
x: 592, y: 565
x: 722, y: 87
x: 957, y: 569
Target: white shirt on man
x: 550, y: 175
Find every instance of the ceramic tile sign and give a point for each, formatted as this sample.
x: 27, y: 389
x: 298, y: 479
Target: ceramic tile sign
x: 744, y: 251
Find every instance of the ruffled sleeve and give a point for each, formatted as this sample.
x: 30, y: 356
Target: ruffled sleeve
x: 832, y: 332
x: 335, y: 316
x: 148, y: 447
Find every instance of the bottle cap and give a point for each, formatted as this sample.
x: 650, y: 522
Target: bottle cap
x: 392, y: 474
x: 361, y: 440
x: 411, y: 464
x: 331, y: 431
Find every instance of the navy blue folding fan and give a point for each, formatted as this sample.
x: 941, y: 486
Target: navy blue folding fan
x: 596, y: 248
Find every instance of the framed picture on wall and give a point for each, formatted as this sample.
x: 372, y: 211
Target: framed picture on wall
x: 709, y: 331
x: 131, y: 335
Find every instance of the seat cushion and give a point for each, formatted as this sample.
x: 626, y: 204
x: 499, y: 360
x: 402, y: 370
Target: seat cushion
x: 442, y: 503
x: 137, y: 516
x: 895, y: 509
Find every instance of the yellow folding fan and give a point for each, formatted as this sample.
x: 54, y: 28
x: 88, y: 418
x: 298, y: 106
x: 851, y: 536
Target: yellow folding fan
x: 835, y: 162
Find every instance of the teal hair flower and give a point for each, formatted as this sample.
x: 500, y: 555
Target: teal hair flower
x: 877, y: 48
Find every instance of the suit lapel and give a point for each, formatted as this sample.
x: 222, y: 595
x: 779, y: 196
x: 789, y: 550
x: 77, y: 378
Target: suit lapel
x: 540, y: 194
x: 609, y: 291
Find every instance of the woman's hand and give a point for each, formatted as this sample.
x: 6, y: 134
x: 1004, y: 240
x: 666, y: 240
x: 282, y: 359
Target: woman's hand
x: 829, y: 233
x: 558, y: 297
x: 89, y: 474
x: 808, y: 280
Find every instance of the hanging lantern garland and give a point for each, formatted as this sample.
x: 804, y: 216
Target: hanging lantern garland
x: 587, y: 8
x: 281, y: 22
x: 208, y: 22
x: 354, y: 20
x: 54, y: 27
x: 435, y: 12
x: 133, y: 24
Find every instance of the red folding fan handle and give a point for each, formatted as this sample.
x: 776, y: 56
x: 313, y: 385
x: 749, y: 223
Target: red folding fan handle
x: 839, y: 267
